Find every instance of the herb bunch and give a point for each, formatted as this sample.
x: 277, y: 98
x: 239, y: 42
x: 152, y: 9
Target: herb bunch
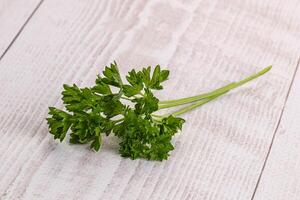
x: 126, y: 110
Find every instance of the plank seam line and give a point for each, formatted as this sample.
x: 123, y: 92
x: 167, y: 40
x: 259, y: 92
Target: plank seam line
x: 21, y: 29
x: 276, y: 130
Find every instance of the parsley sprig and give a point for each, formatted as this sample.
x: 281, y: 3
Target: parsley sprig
x: 127, y: 110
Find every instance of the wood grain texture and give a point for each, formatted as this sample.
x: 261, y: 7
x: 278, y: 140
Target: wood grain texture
x: 280, y: 179
x: 13, y: 15
x: 205, y: 44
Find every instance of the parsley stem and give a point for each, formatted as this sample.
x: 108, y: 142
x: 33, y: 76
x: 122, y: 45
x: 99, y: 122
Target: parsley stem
x: 158, y: 116
x: 195, y: 105
x: 222, y: 90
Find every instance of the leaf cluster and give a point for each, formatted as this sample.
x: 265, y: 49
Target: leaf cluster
x: 123, y: 109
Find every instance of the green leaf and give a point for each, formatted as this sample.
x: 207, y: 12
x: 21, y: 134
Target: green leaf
x: 112, y: 75
x: 101, y: 87
x: 164, y: 74
x: 78, y: 99
x: 146, y: 104
x: 111, y: 105
x: 136, y: 84
x: 130, y: 91
x: 154, y: 81
x: 59, y: 123
x: 174, y: 122
x: 141, y: 137
x: 134, y: 78
x: 145, y: 76
x: 96, y: 144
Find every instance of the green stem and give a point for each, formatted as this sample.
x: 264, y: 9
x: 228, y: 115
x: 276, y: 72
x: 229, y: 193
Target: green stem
x: 222, y: 90
x: 154, y: 115
x: 195, y: 105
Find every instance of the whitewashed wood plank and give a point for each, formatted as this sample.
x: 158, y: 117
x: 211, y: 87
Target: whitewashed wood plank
x: 13, y: 16
x: 280, y: 178
x: 206, y: 44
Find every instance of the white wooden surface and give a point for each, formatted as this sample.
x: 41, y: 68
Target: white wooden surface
x: 13, y: 15
x: 222, y: 150
x: 281, y: 177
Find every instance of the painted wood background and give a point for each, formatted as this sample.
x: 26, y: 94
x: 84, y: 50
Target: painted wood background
x: 245, y: 145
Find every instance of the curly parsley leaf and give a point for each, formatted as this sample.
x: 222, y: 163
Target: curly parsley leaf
x: 101, y: 87
x: 146, y: 104
x: 112, y: 75
x: 59, y: 123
